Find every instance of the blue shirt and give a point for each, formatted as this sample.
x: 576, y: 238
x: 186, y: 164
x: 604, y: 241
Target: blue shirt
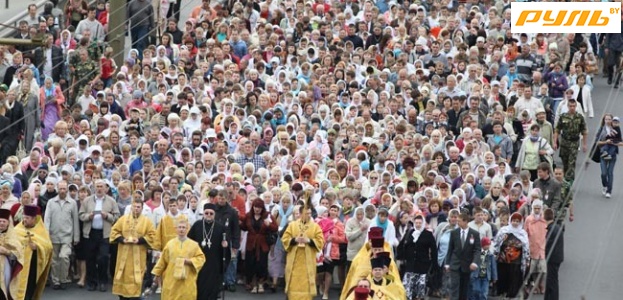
x: 240, y: 48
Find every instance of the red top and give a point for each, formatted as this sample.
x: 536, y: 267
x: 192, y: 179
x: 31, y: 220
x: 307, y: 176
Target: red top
x: 107, y: 67
x: 103, y: 18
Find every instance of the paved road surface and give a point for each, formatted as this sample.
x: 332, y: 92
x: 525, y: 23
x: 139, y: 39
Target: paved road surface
x: 591, y: 266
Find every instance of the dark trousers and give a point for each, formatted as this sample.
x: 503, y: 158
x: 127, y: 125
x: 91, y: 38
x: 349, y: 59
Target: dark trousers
x: 126, y: 298
x: 612, y: 61
x: 140, y: 36
x: 97, y: 257
x: 459, y: 285
x: 148, y: 279
x: 551, y: 282
x: 174, y: 10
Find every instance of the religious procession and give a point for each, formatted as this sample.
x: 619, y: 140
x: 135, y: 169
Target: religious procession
x: 354, y: 149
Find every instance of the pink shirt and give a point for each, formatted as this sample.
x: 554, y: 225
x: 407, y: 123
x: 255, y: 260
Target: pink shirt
x: 537, y: 234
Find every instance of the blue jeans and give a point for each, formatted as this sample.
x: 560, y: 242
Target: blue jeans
x: 107, y: 82
x: 140, y: 34
x: 555, y: 103
x: 610, y: 149
x: 480, y: 289
x: 230, y: 273
x: 607, y: 173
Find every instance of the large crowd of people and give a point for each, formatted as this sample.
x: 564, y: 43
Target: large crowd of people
x: 399, y: 149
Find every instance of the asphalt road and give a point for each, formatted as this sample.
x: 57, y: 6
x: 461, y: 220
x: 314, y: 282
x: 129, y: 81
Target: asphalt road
x: 591, y: 267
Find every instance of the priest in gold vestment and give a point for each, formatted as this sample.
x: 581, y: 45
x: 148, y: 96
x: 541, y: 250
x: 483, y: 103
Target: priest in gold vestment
x: 134, y: 234
x: 11, y: 256
x: 167, y: 229
x: 361, y: 267
x: 37, y: 250
x: 302, y: 240
x: 179, y: 263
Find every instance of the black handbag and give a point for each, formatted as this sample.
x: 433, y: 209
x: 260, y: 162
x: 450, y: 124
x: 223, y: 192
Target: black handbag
x: 271, y: 238
x: 595, y: 154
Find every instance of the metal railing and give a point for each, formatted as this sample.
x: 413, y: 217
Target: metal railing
x: 6, y: 32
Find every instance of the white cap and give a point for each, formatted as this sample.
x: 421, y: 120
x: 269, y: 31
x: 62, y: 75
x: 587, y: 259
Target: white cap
x: 195, y: 110
x: 210, y: 133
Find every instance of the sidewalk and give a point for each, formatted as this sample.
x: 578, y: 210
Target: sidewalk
x: 16, y: 12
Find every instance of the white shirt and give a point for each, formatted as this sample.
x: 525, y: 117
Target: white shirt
x: 464, y: 235
x: 528, y: 104
x: 98, y: 221
x: 47, y: 67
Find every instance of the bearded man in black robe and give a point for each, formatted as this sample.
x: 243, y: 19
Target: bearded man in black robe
x: 212, y: 239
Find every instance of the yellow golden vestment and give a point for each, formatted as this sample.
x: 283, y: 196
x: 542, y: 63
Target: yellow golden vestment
x: 131, y: 258
x: 39, y: 235
x: 179, y: 280
x: 361, y: 268
x: 301, y: 261
x: 166, y: 230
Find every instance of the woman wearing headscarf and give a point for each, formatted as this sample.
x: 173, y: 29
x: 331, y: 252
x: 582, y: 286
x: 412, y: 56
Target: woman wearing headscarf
x: 162, y: 55
x: 307, y: 175
x: 7, y: 199
x: 403, y: 225
x: 276, y: 257
x: 419, y: 251
x: 66, y: 42
x: 512, y: 248
x: 356, y: 230
x: 389, y: 231
x: 259, y: 224
x: 320, y: 143
x: 49, y: 193
x: 470, y: 200
x: 17, y: 210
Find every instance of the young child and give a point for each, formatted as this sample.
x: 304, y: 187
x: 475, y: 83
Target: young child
x: 608, y: 150
x: 107, y: 67
x: 487, y: 272
x: 479, y: 223
x: 134, y: 122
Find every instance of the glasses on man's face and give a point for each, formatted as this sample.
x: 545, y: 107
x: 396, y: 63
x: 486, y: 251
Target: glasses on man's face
x: 209, y: 213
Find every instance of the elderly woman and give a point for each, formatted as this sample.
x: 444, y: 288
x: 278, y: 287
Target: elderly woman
x: 55, y: 150
x: 8, y: 173
x: 51, y: 101
x: 356, y: 230
x: 17, y: 210
x: 7, y: 199
x: 512, y: 248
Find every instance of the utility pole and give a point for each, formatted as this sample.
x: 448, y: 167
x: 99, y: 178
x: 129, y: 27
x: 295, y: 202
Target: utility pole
x: 116, y: 25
